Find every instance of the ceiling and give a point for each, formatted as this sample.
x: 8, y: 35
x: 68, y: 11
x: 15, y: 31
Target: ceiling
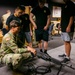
x: 60, y: 1
x: 25, y: 2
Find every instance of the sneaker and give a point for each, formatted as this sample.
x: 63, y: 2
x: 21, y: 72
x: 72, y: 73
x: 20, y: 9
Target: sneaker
x: 65, y: 60
x: 63, y: 55
x: 41, y: 50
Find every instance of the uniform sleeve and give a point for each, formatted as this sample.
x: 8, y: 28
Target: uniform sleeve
x: 13, y: 46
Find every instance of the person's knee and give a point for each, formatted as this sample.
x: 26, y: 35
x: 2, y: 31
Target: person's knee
x: 16, y: 59
x: 67, y: 42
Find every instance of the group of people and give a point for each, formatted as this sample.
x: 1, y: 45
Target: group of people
x: 13, y: 52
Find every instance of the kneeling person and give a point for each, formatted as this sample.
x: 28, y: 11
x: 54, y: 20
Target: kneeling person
x: 10, y: 53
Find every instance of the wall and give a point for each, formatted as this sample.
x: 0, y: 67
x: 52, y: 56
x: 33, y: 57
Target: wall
x: 3, y: 10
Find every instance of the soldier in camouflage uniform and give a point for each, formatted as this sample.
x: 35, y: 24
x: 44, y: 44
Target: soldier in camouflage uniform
x: 10, y: 53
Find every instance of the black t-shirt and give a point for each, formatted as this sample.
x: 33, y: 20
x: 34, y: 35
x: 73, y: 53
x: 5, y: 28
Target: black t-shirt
x: 25, y: 22
x: 41, y: 16
x: 12, y: 17
x: 67, y: 12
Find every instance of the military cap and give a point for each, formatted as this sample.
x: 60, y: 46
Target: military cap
x: 15, y: 23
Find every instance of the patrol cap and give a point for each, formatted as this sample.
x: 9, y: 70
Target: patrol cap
x: 15, y: 23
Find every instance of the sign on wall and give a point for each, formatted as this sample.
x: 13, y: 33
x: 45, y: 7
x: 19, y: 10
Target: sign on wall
x: 56, y: 12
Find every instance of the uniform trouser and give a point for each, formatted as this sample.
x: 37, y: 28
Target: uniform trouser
x: 16, y: 60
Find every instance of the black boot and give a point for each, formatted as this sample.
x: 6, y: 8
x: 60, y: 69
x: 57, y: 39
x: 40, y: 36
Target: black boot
x: 41, y: 50
x: 45, y: 51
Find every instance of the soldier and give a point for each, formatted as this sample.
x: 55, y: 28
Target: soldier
x: 10, y: 54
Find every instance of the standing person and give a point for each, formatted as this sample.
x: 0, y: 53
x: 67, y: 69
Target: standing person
x: 67, y: 27
x: 10, y: 54
x: 16, y: 16
x: 26, y: 27
x: 4, y: 19
x: 41, y: 24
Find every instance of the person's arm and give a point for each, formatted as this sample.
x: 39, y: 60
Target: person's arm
x: 9, y: 19
x: 48, y: 23
x: 32, y: 21
x: 11, y: 44
x: 30, y: 26
x: 6, y: 27
x: 70, y: 24
x: 30, y: 29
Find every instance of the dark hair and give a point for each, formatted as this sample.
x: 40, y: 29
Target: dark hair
x: 15, y: 23
x: 42, y: 1
x: 21, y: 7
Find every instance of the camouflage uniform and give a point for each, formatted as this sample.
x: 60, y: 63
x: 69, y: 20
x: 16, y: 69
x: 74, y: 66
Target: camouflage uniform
x: 10, y: 53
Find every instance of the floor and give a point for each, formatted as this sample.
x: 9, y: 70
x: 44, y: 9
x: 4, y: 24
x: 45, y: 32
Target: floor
x: 55, y: 48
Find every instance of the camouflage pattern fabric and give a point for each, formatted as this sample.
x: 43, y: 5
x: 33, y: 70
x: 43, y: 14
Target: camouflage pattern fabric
x: 10, y: 53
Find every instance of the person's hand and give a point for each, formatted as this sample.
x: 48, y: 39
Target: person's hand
x: 68, y: 29
x: 35, y: 27
x: 32, y: 50
x: 31, y: 33
x: 45, y: 28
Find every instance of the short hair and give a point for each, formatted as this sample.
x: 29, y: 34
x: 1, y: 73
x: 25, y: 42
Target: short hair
x: 21, y: 7
x: 42, y: 1
x: 15, y: 23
